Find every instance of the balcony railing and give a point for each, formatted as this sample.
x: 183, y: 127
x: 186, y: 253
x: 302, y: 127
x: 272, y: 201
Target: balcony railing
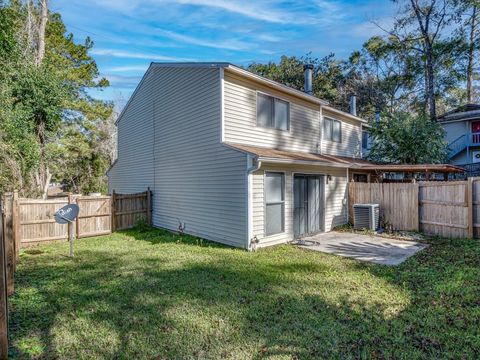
x: 472, y: 169
x: 462, y: 142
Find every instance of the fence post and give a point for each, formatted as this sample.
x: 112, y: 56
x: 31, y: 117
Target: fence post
x: 416, y: 206
x: 149, y: 207
x: 113, y: 210
x: 3, y: 290
x: 469, y: 194
x: 16, y: 227
x: 10, y: 245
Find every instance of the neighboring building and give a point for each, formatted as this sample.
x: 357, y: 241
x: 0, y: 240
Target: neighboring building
x: 234, y: 157
x: 462, y: 133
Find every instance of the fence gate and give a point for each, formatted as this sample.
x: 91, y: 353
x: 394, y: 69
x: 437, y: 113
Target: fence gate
x: 95, y: 217
x: 445, y: 208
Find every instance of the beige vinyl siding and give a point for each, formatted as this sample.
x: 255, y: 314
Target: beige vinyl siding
x: 335, y: 200
x: 241, y: 118
x: 351, y: 143
x: 196, y: 180
x: 133, y: 171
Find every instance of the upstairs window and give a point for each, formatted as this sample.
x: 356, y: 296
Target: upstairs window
x: 272, y: 112
x: 332, y: 130
x: 365, y: 140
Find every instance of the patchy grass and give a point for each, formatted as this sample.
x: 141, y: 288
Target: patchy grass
x: 153, y: 295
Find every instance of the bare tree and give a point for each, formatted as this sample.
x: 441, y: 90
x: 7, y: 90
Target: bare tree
x: 43, y: 175
x: 472, y: 48
x: 41, y: 32
x: 420, y: 29
x: 109, y: 145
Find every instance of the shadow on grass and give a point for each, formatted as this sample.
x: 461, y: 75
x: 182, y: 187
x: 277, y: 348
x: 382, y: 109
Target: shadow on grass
x: 172, y: 302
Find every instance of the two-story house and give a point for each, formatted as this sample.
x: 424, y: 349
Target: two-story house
x: 234, y: 157
x: 462, y: 133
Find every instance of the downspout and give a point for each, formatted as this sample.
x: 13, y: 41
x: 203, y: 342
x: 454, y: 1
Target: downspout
x: 253, y: 164
x: 321, y: 131
x: 346, y: 202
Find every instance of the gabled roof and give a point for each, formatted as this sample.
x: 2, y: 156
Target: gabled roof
x: 274, y: 84
x: 241, y: 72
x: 464, y: 112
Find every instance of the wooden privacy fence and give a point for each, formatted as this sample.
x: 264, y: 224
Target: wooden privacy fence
x: 31, y: 221
x: 448, y: 209
x: 398, y: 202
x: 35, y: 223
x: 129, y: 209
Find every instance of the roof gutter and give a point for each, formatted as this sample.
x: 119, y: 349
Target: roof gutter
x: 343, y: 113
x: 302, y: 162
x: 276, y: 85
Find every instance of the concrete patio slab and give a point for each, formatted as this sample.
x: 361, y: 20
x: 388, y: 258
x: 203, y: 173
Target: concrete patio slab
x: 375, y: 249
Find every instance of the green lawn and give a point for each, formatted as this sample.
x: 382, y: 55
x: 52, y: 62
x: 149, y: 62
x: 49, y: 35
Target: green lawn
x: 153, y: 295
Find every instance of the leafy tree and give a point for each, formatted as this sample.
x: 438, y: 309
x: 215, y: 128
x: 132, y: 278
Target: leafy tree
x: 403, y: 138
x: 382, y: 76
x: 44, y: 103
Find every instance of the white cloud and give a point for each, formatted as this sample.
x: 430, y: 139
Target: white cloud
x: 269, y: 37
x: 372, y: 27
x: 135, y: 55
x: 127, y: 68
x: 273, y: 11
x: 123, y: 80
x: 249, y: 9
x: 221, y: 44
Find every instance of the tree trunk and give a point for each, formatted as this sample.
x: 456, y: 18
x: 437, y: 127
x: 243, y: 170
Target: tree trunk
x: 431, y: 85
x: 48, y: 177
x: 471, y: 55
x: 44, y: 176
x: 29, y: 27
x: 41, y: 32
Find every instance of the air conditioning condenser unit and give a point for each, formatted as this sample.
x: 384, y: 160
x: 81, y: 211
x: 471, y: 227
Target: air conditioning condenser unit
x: 366, y: 216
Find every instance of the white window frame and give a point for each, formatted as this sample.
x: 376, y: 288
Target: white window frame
x: 284, y: 188
x: 275, y: 98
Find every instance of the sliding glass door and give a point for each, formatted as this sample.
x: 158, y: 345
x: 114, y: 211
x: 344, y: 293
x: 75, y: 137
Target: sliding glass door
x: 308, y: 199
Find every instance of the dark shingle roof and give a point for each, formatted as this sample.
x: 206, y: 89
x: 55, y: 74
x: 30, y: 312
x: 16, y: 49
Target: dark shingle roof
x: 464, y: 112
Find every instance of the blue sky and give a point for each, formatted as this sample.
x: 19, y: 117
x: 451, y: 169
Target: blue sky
x: 129, y: 34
